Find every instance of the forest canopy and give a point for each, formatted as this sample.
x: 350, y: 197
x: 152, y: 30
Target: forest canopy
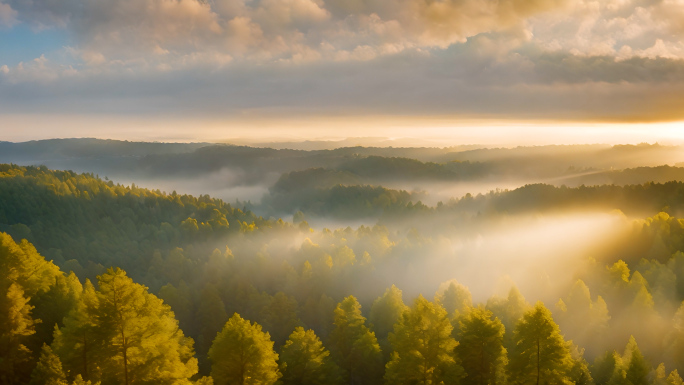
x: 363, y: 282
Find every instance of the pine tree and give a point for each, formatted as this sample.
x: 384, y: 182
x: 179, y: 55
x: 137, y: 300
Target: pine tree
x: 123, y: 334
x: 637, y: 368
x: 509, y: 310
x: 354, y: 347
x: 242, y: 354
x: 608, y: 369
x: 15, y: 325
x: 480, y: 348
x: 305, y: 361
x: 210, y: 317
x: 453, y: 297
x: 23, y: 274
x: 541, y: 355
x: 280, y: 317
x: 76, y: 342
x: 423, y: 348
x: 48, y: 371
x: 385, y: 312
x: 674, y: 378
x: 142, y: 338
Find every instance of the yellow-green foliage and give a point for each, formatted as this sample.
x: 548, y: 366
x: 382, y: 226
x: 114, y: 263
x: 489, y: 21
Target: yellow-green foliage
x: 242, y: 354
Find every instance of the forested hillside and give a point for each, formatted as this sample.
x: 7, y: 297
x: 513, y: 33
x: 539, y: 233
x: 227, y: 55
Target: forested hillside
x: 114, y: 284
x: 247, y: 173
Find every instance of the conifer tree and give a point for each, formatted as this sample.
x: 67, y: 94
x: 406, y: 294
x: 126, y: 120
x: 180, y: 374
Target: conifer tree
x: 15, y: 325
x: 480, y: 348
x: 385, y: 312
x: 76, y: 342
x: 48, y: 371
x: 23, y: 274
x: 354, y: 346
x: 211, y: 316
x: 509, y: 310
x: 540, y: 356
x: 280, y: 317
x: 674, y: 378
x: 638, y: 368
x: 305, y: 361
x: 141, y: 337
x: 423, y: 348
x: 242, y: 354
x: 453, y: 297
x: 608, y: 369
x: 123, y: 334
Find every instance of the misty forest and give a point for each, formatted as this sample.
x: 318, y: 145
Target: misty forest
x: 336, y: 263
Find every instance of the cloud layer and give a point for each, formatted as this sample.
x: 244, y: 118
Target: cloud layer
x: 579, y: 59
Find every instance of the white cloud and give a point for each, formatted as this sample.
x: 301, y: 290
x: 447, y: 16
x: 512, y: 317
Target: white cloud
x: 8, y: 16
x: 492, y: 57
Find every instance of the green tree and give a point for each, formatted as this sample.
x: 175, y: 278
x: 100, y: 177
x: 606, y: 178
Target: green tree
x: 385, y: 312
x: 608, y: 369
x: 280, y: 317
x: 354, y: 346
x: 583, y: 320
x: 76, y: 343
x: 541, y: 355
x: 674, y: 378
x: 136, y: 339
x: 509, y: 310
x: 637, y: 367
x: 305, y: 361
x: 423, y: 347
x: 23, y: 274
x: 210, y: 317
x: 453, y: 297
x: 48, y: 371
x: 579, y: 371
x: 480, y: 348
x: 52, y: 306
x: 15, y: 325
x: 242, y: 354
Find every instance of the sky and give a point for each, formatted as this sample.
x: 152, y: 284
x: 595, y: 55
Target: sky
x: 531, y: 70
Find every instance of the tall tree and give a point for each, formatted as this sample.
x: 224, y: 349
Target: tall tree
x: 608, y: 369
x: 509, y: 310
x: 76, y: 342
x: 481, y: 347
x: 48, y: 371
x: 23, y: 274
x: 210, y: 317
x: 674, y: 378
x: 453, y: 296
x: 385, y: 312
x: 638, y: 368
x: 15, y: 325
x: 126, y: 332
x: 354, y: 346
x: 541, y: 355
x: 280, y: 317
x: 583, y: 320
x: 305, y: 361
x: 141, y: 334
x: 423, y: 348
x: 242, y: 354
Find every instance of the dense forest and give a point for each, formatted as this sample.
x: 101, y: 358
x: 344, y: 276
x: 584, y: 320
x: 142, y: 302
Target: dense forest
x: 117, y: 284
